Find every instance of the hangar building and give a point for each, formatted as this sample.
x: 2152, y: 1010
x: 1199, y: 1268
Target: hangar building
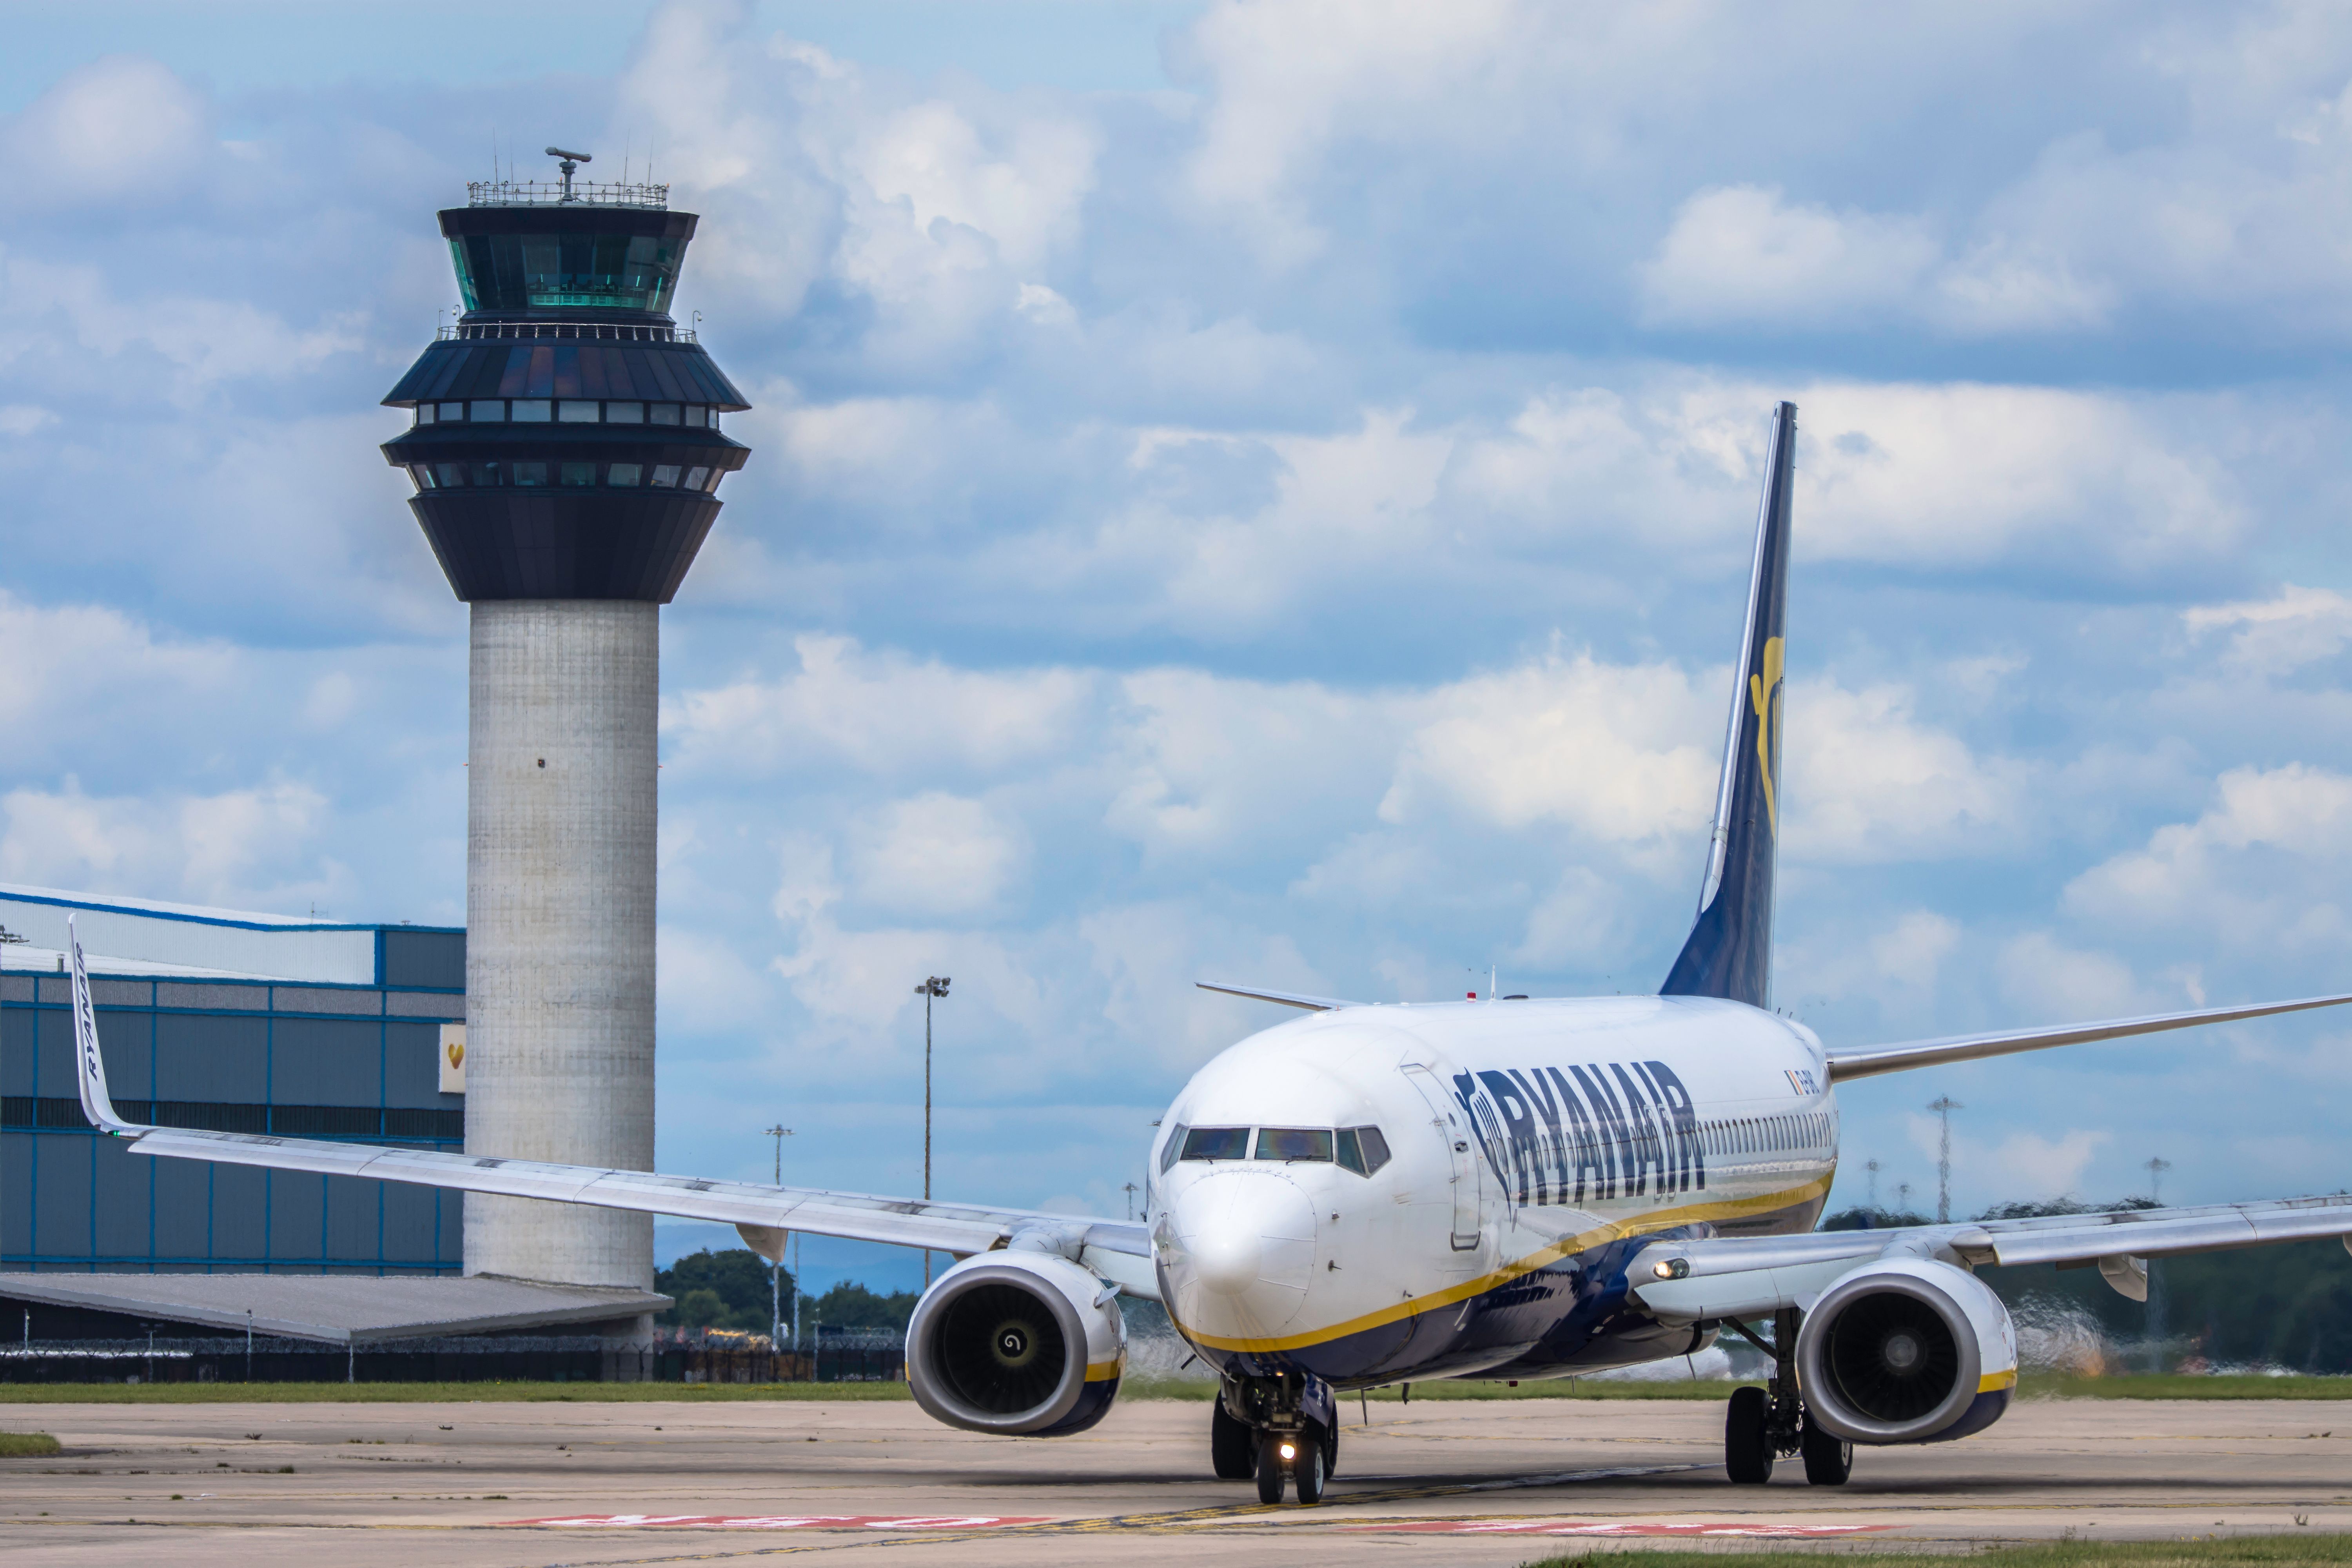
x: 244, y: 1022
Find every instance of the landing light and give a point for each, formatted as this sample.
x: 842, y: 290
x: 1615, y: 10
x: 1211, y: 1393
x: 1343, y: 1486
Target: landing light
x: 1671, y: 1268
x: 1288, y: 1452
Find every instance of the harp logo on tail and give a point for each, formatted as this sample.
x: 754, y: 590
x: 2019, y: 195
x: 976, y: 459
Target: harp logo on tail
x: 1764, y: 696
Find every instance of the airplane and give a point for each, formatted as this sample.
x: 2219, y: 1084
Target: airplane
x: 1505, y: 1188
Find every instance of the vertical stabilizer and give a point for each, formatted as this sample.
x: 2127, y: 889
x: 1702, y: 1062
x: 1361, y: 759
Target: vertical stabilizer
x: 1729, y: 952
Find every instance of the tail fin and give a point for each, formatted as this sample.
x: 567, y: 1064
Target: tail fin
x: 1729, y: 952
x: 90, y: 1067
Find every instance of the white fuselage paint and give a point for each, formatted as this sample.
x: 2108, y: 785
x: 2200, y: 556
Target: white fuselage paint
x: 1472, y: 1248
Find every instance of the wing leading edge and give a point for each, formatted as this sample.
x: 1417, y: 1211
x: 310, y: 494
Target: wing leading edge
x: 1750, y: 1276
x: 1871, y: 1060
x: 1119, y: 1251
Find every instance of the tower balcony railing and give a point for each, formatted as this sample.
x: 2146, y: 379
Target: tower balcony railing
x: 620, y: 332
x: 557, y: 193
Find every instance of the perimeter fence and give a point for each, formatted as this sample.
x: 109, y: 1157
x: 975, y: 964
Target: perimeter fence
x: 852, y: 1357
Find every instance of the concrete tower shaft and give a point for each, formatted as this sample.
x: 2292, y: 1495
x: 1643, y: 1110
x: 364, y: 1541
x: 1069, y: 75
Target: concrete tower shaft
x: 565, y: 447
x: 560, y: 876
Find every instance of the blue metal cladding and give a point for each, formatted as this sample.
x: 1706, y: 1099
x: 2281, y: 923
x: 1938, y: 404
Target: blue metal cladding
x: 310, y: 1058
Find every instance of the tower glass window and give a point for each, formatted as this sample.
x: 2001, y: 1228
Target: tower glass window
x: 665, y: 474
x: 626, y: 473
x: 548, y: 272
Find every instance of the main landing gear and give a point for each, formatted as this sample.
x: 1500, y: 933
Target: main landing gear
x: 1771, y: 1423
x: 1277, y: 1431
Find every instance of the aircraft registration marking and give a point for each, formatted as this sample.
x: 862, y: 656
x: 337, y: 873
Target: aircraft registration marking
x: 780, y: 1521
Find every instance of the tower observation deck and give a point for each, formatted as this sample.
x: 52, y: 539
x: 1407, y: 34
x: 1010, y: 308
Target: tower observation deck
x: 566, y: 448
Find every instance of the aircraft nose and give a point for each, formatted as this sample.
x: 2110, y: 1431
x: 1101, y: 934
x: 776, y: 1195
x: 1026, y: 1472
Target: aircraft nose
x: 1245, y: 1252
x: 1225, y: 1256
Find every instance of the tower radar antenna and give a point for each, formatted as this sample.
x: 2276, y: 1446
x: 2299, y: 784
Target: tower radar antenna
x: 571, y: 161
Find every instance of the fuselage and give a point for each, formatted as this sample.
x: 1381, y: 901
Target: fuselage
x: 1519, y: 1155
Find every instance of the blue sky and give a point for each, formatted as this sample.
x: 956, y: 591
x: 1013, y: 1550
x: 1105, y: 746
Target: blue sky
x: 1262, y: 492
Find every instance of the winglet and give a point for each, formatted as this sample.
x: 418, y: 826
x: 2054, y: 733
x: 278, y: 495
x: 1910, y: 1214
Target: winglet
x: 89, y: 1067
x: 1286, y: 998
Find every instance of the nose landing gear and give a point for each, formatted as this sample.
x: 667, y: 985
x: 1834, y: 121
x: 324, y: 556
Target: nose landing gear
x: 1280, y: 1430
x: 1762, y: 1425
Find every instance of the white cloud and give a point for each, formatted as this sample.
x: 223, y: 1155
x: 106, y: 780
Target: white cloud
x: 1742, y: 254
x: 1608, y: 750
x: 241, y: 849
x: 2274, y: 636
x: 2051, y: 983
x: 878, y: 712
x: 2261, y: 870
x: 123, y: 128
x: 936, y: 854
x: 1867, y: 781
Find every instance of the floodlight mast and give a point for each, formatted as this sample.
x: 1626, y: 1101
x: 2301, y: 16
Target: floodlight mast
x: 572, y: 161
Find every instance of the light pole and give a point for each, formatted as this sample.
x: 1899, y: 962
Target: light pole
x: 2156, y: 1169
x: 930, y: 989
x: 1130, y: 1200
x: 1872, y: 1166
x: 1943, y: 1106
x: 776, y: 1266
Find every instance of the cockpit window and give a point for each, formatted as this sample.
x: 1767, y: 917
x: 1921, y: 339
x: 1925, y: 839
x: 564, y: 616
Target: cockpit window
x: 1294, y: 1143
x: 1217, y: 1143
x: 1173, y: 1147
x: 1363, y: 1149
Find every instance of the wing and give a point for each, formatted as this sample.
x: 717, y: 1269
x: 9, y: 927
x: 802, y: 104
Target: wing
x: 1748, y: 1277
x: 1120, y: 1252
x: 1286, y: 998
x: 1871, y: 1060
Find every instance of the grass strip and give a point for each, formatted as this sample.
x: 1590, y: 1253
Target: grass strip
x: 27, y: 1445
x: 2302, y: 1546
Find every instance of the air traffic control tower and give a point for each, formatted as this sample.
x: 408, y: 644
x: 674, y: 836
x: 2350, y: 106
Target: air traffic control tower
x: 567, y: 455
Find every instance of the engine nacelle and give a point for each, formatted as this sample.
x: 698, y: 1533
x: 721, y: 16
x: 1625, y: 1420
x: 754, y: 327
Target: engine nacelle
x: 1018, y: 1343
x: 1907, y: 1350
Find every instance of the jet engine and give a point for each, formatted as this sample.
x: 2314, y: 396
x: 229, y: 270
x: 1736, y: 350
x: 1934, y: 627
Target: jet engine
x: 1018, y: 1343
x: 1906, y: 1350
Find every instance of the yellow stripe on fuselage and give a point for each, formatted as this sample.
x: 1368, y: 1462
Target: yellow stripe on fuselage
x: 1600, y: 1235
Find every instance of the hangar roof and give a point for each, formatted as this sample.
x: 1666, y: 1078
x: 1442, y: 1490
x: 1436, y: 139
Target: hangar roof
x: 339, y: 1308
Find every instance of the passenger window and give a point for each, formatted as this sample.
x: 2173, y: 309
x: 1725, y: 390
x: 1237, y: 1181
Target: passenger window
x: 1174, y: 1147
x: 1294, y: 1143
x: 1217, y: 1143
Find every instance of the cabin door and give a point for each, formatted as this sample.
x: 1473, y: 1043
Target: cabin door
x: 1459, y: 1137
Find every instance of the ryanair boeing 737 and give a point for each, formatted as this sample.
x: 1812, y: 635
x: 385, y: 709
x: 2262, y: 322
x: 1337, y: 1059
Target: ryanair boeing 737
x: 1506, y: 1188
